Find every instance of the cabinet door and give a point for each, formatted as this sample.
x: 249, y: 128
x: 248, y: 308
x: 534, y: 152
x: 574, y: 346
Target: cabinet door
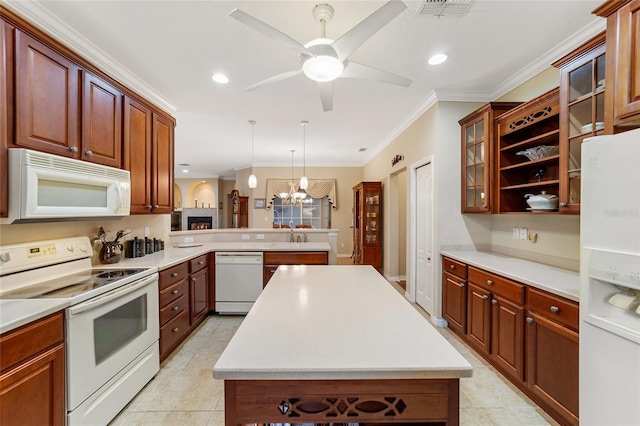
x: 33, y: 392
x: 475, y: 166
x: 454, y: 302
x: 6, y: 110
x: 507, y: 336
x: 101, y: 122
x: 46, y: 98
x: 627, y: 69
x: 478, y: 317
x: 137, y: 153
x: 162, y: 165
x: 552, y: 365
x: 199, y: 295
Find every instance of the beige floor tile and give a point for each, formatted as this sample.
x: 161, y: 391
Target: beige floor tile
x: 192, y: 390
x: 217, y: 419
x: 173, y: 418
x: 127, y: 418
x: 473, y: 417
x: 485, y: 389
x: 513, y: 416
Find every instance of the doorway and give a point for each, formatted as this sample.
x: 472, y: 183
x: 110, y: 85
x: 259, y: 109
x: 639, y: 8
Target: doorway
x: 398, y: 212
x: 423, y: 237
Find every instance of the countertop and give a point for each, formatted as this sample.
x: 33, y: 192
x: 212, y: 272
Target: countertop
x: 18, y: 312
x: 561, y: 282
x: 336, y: 322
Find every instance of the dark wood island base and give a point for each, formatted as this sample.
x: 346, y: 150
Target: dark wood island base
x: 392, y: 401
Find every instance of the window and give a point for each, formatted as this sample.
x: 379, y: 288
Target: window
x: 317, y: 214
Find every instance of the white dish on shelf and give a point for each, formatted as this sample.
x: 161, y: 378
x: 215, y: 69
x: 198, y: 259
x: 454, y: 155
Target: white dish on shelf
x: 587, y: 127
x: 187, y: 245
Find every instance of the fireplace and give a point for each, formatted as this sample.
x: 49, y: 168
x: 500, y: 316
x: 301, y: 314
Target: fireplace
x: 199, y: 222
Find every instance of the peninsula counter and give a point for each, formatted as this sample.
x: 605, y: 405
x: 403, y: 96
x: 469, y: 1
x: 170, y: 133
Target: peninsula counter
x: 338, y: 344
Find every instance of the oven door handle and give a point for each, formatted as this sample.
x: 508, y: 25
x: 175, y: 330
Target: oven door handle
x: 109, y: 296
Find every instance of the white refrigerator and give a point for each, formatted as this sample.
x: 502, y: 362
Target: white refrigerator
x: 610, y: 280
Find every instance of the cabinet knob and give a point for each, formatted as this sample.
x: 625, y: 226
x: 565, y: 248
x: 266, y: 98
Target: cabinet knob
x: 73, y: 148
x: 149, y: 206
x: 563, y: 204
x: 175, y: 308
x: 485, y: 297
x: 461, y: 284
x: 530, y: 320
x: 175, y: 330
x: 201, y: 262
x: 156, y: 206
x: 453, y: 266
x: 88, y: 153
x: 193, y: 279
x: 174, y: 291
x: 489, y: 282
x: 555, y: 309
x: 175, y: 274
x: 494, y: 302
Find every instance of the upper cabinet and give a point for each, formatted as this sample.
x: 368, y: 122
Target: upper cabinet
x: 6, y: 110
x: 528, y: 152
x: 478, y: 136
x: 582, y: 100
x: 622, y: 103
x: 367, y: 224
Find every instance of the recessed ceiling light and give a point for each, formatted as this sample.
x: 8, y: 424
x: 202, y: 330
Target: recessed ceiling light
x: 185, y: 171
x: 437, y: 59
x: 220, y: 78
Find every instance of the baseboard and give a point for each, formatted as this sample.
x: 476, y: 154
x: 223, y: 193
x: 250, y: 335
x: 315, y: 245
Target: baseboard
x: 439, y: 322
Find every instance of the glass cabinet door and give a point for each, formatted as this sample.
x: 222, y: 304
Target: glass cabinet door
x: 475, y: 180
x: 372, y: 219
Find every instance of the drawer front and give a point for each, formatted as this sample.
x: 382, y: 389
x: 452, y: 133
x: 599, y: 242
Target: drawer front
x: 554, y: 307
x: 198, y: 263
x: 173, y: 330
x: 174, y: 274
x: 497, y: 284
x: 454, y: 267
x: 20, y: 344
x: 172, y: 293
x: 296, y: 258
x: 173, y: 309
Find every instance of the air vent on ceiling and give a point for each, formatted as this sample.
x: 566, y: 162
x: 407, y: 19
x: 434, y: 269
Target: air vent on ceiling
x: 445, y: 7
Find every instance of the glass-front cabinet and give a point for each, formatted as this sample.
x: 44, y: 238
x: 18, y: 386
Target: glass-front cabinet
x: 367, y: 224
x: 478, y: 135
x: 582, y: 103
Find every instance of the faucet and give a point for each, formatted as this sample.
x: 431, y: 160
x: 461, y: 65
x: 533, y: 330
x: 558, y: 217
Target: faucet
x: 305, y: 237
x: 298, y: 238
x: 291, y: 236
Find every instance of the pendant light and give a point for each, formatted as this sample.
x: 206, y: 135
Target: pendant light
x: 253, y: 181
x: 304, y: 182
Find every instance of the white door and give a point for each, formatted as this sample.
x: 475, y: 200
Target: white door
x: 424, y: 237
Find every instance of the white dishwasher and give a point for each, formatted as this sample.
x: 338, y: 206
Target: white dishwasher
x: 238, y: 281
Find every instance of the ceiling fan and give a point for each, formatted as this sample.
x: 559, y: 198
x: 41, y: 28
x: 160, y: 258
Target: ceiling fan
x: 322, y: 59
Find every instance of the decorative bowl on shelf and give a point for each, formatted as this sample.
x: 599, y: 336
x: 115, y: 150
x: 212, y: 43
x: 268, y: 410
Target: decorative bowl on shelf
x: 538, y: 152
x: 589, y: 126
x: 542, y: 201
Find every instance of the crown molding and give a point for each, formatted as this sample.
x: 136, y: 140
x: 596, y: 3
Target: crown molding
x: 54, y: 27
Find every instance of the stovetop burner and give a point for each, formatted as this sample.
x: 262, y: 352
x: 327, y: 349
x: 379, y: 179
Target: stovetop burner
x: 115, y: 274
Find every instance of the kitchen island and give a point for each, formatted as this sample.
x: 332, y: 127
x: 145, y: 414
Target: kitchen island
x: 338, y: 344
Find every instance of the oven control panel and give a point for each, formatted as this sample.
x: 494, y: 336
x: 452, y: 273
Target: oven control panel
x: 26, y: 256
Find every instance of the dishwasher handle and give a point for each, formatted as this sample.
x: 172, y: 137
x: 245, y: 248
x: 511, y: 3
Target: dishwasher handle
x: 239, y: 258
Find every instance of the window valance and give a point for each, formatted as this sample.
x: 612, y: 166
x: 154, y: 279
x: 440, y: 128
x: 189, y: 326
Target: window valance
x: 317, y: 188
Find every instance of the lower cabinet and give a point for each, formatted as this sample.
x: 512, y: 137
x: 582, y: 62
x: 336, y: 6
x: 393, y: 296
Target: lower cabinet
x: 273, y: 259
x: 529, y: 335
x: 184, y: 301
x: 32, y: 375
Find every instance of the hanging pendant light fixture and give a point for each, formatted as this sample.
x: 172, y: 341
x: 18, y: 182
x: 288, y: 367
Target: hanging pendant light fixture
x: 253, y: 180
x: 304, y: 182
x: 293, y: 197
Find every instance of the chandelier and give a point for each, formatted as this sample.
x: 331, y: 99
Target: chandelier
x: 294, y: 197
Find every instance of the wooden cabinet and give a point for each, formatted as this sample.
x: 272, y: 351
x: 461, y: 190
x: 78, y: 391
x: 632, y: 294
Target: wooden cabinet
x: 478, y: 140
x: 198, y: 289
x: 32, y: 374
x: 529, y: 126
x: 454, y: 294
x: 46, y: 98
x: 273, y: 259
x: 582, y: 101
x: 367, y: 224
x: 622, y: 103
x: 174, y: 307
x: 552, y: 353
x: 6, y: 109
x: 101, y: 122
x: 529, y: 335
x: 238, y: 213
x: 148, y: 155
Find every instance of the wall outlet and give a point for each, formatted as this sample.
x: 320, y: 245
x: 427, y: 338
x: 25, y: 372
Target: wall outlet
x: 516, y: 233
x: 246, y: 237
x: 259, y: 236
x: 188, y: 239
x: 146, y: 231
x: 524, y: 234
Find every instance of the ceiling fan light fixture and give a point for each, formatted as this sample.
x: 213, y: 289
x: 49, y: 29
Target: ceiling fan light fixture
x: 220, y: 78
x: 253, y: 181
x: 322, y: 68
x: 437, y: 59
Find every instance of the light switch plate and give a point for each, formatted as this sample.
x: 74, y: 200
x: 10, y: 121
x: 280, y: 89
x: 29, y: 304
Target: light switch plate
x: 516, y: 233
x: 524, y: 233
x: 188, y: 239
x: 246, y: 237
x: 259, y: 236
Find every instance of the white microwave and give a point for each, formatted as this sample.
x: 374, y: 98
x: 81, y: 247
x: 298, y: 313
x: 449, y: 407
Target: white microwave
x: 45, y: 187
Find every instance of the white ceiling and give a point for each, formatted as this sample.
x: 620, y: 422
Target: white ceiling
x: 168, y: 50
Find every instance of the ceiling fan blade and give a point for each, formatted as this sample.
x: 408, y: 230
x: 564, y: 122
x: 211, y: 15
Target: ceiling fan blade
x: 266, y: 29
x: 356, y: 70
x: 326, y: 95
x: 273, y: 79
x: 357, y: 35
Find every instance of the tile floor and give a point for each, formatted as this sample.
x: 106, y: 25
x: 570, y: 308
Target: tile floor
x: 184, y: 392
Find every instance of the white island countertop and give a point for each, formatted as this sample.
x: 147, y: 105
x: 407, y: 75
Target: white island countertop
x: 561, y: 282
x: 336, y: 322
